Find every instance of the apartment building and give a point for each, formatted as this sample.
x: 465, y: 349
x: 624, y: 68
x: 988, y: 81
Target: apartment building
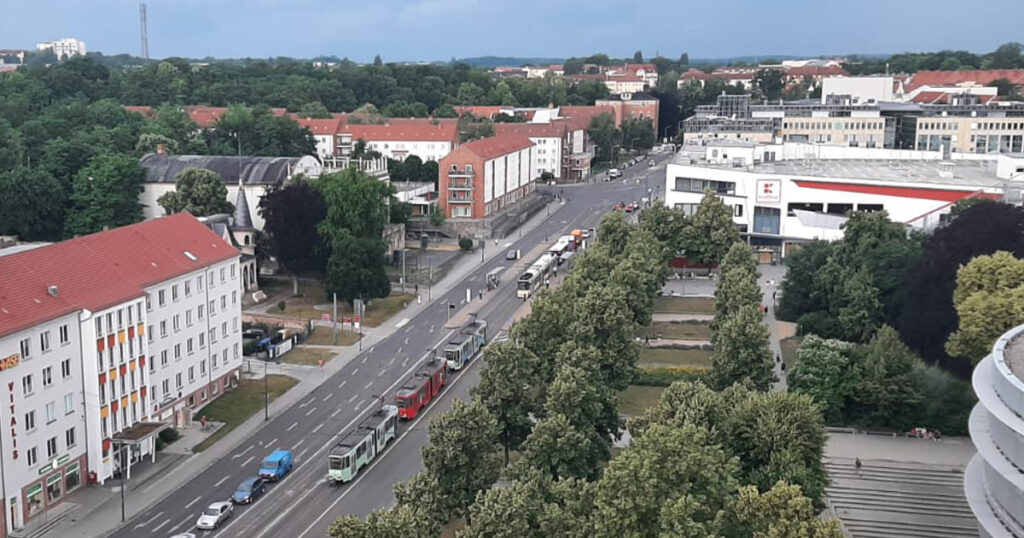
x: 429, y: 139
x: 632, y: 105
x: 105, y: 340
x: 483, y: 176
x: 64, y: 48
x: 966, y: 125
x: 549, y: 139
x: 326, y: 132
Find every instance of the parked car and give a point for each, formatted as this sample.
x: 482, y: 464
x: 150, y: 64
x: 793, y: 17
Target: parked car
x: 249, y: 490
x: 511, y: 255
x: 276, y: 465
x: 586, y: 233
x: 214, y: 515
x: 614, y: 173
x: 651, y: 162
x: 184, y: 535
x: 629, y: 208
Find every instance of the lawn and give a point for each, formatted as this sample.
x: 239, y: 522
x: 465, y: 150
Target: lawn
x: 635, y: 399
x: 665, y: 356
x: 684, y: 305
x: 307, y: 356
x: 789, y: 346
x: 377, y: 312
x: 324, y: 336
x: 677, y: 331
x: 236, y: 406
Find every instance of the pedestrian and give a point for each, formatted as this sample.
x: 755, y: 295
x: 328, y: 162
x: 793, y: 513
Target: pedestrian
x: 480, y: 294
x: 202, y: 421
x: 857, y: 463
x: 320, y: 363
x: 782, y: 366
x: 778, y: 357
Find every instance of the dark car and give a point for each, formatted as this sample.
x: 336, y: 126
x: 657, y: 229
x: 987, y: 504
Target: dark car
x: 248, y: 490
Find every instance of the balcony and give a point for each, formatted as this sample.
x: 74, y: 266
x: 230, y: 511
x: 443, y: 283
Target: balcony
x: 459, y: 200
x: 461, y: 174
x: 460, y: 185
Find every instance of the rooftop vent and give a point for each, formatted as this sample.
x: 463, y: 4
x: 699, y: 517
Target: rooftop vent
x: 946, y: 169
x: 52, y: 290
x: 191, y: 256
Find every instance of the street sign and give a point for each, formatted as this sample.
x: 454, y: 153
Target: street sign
x: 325, y: 317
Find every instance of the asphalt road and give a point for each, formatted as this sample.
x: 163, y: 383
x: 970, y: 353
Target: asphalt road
x: 303, y: 504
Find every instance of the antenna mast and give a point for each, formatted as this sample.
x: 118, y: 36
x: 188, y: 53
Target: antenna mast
x: 143, y: 32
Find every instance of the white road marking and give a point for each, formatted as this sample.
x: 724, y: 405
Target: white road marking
x: 406, y: 340
x: 368, y: 385
x: 316, y: 429
x: 400, y: 349
x: 184, y: 522
x: 272, y: 441
x: 303, y: 453
x: 310, y: 412
x: 242, y: 453
x: 221, y: 481
x: 150, y: 520
x: 192, y: 502
x: 246, y: 462
x: 407, y: 329
x: 380, y: 373
x: 402, y: 323
x: 297, y: 445
x: 353, y: 398
x: 405, y: 361
x: 342, y: 384
x: 328, y: 397
x: 304, y: 404
x: 334, y: 414
x: 392, y: 361
x: 354, y: 372
x: 432, y: 327
x: 364, y: 360
x: 292, y: 427
x: 166, y: 521
x: 371, y: 350
x: 360, y: 404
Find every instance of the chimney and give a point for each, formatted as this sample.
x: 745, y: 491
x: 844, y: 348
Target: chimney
x: 161, y: 149
x: 52, y: 290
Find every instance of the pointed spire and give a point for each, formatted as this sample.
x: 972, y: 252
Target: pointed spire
x: 242, y: 218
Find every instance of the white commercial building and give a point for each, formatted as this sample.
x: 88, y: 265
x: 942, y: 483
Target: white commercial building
x: 63, y: 48
x: 105, y: 340
x: 878, y: 89
x: 784, y: 194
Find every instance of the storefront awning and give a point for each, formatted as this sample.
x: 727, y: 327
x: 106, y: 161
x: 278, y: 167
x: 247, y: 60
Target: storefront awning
x: 139, y: 432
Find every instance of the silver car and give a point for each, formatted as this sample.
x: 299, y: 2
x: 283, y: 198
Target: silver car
x: 214, y: 515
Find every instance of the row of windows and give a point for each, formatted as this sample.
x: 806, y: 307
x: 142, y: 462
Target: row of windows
x: 833, y: 208
x: 25, y: 345
x: 686, y: 184
x: 50, y: 410
x: 70, y: 440
x: 28, y: 383
x: 200, y: 313
x: 976, y: 126
x: 179, y: 383
x: 186, y: 286
x: 125, y: 317
x: 837, y: 125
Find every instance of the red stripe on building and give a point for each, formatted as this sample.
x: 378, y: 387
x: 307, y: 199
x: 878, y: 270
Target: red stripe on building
x: 943, y: 195
x: 99, y: 345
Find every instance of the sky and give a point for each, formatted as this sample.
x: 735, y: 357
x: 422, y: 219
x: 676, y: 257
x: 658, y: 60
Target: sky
x: 425, y: 30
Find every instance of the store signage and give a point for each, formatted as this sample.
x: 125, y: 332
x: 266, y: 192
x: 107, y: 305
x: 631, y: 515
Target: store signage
x: 769, y: 191
x: 10, y: 362
x: 14, y: 421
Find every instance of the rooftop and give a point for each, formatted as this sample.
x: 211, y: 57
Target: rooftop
x: 163, y: 168
x: 1014, y: 355
x: 406, y: 130
x: 495, y: 146
x: 100, y: 270
x: 965, y: 173
x: 535, y: 130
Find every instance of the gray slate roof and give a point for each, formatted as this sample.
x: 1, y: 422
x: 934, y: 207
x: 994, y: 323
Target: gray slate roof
x: 161, y: 168
x: 242, y: 218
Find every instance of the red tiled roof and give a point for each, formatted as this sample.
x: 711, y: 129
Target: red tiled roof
x: 943, y: 98
x: 402, y: 130
x: 624, y: 77
x: 534, y: 130
x: 103, y: 269
x: 695, y: 74
x: 646, y: 67
x: 980, y: 77
x: 479, y: 111
x: 495, y: 146
x: 321, y: 126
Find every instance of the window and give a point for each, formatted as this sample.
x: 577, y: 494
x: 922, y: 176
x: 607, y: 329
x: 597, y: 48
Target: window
x: 202, y: 367
x: 65, y: 368
x: 469, y: 169
x: 120, y: 319
x: 69, y: 437
x: 188, y: 346
x: 47, y: 376
x: 839, y: 209
x: 165, y: 387
x: 177, y: 351
x: 199, y: 312
x: 176, y: 321
x: 223, y: 275
x: 232, y: 272
x: 149, y: 304
x: 236, y: 350
x: 236, y: 324
x: 700, y: 185
x: 817, y: 208
x: 163, y: 358
x: 163, y: 328
x: 177, y: 380
x: 234, y: 296
x: 191, y: 374
x: 30, y: 421
x: 214, y: 361
x: 213, y: 308
x: 44, y: 341
x: 26, y: 384
x: 51, y: 412
x: 223, y: 302
x: 33, y: 456
x: 174, y: 292
x: 152, y: 364
x: 213, y: 336
x: 199, y: 283
x: 26, y: 348
x: 161, y: 300
x: 72, y: 478
x: 63, y: 334
x: 188, y: 318
x: 188, y: 288
x: 51, y: 448
x: 69, y: 402
x: 737, y: 210
x: 202, y: 340
x: 224, y: 330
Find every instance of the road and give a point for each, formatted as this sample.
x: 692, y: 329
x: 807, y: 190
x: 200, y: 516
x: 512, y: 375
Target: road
x: 303, y: 504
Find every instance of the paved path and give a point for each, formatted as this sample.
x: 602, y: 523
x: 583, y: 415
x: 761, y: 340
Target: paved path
x: 773, y: 274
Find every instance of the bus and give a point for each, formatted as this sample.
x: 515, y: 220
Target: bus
x: 358, y: 448
x: 534, y: 277
x: 563, y: 245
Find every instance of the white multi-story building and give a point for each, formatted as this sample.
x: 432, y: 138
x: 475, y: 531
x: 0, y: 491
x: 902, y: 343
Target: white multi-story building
x: 64, y: 48
x: 428, y: 139
x: 548, y: 139
x: 105, y: 340
x: 785, y: 194
x: 325, y: 132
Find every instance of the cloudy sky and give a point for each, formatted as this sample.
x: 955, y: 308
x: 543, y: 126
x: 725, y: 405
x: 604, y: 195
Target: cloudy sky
x: 441, y: 29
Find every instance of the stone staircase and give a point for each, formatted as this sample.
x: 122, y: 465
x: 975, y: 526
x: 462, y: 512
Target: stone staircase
x: 898, y: 499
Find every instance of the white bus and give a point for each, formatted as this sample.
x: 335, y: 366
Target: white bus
x: 534, y: 277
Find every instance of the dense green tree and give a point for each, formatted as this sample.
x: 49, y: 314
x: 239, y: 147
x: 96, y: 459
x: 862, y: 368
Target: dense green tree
x: 559, y: 449
x: 32, y: 205
x: 198, y: 191
x: 355, y: 268
x: 356, y: 204
x: 769, y: 83
x: 781, y: 511
x: 573, y: 66
x: 637, y: 133
x: 260, y: 133
x: 314, y: 109
x: 823, y: 372
x: 105, y: 194
x: 509, y: 512
x: 399, y: 522
x: 463, y: 454
x: 613, y: 233
x: 606, y: 138
x: 508, y: 389
x: 798, y: 288
x: 741, y: 351
x: 711, y: 232
x: 638, y: 57
x: 886, y: 389
x: 291, y: 215
x: 544, y: 331
x: 860, y: 311
x: 739, y: 255
x: 667, y: 224
x: 989, y: 300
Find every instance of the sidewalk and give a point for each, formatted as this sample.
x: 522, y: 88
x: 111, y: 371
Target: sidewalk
x: 773, y: 273
x: 96, y: 511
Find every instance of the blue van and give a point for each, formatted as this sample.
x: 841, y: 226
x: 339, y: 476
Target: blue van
x: 276, y: 465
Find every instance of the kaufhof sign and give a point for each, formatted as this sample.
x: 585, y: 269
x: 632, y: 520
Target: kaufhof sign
x: 769, y: 191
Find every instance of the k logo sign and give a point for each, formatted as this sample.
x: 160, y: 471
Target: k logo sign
x: 769, y: 191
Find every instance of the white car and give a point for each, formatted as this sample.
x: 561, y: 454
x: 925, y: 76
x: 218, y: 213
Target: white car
x: 184, y: 535
x: 214, y: 515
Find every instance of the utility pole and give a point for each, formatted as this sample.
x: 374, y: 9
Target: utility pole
x: 266, y: 393
x: 334, y: 341
x: 403, y: 269
x: 121, y: 451
x: 430, y: 276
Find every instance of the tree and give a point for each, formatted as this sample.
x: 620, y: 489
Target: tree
x: 741, y: 352
x: 314, y: 109
x: 32, y: 205
x: 860, y: 311
x: 886, y: 389
x: 711, y: 232
x: 510, y: 512
x: 402, y: 521
x: 260, y: 133
x: 638, y: 57
x: 106, y: 194
x: 637, y: 133
x: 605, y: 136
x: 739, y: 255
x: 798, y: 288
x: 153, y: 142
x: 737, y: 290
x: 668, y: 226
x: 823, y: 372
x: 614, y: 233
x: 573, y: 66
x: 988, y: 301
x: 781, y: 511
x: 1007, y: 56
x: 769, y: 83
x: 1004, y: 87
x: 927, y: 321
x: 507, y: 388
x: 463, y: 454
x: 198, y: 191
x: 356, y: 204
x: 291, y: 216
x: 377, y: 62
x: 355, y: 268
x: 559, y: 449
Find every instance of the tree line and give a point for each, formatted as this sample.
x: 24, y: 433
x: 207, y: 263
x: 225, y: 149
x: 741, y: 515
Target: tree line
x: 701, y: 463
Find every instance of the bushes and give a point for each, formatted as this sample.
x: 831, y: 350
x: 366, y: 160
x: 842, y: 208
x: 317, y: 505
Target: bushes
x: 166, y: 437
x: 466, y: 244
x: 947, y: 400
x: 663, y: 377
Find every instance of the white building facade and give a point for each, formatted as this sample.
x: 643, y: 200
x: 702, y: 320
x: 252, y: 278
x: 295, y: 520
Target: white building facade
x: 64, y: 48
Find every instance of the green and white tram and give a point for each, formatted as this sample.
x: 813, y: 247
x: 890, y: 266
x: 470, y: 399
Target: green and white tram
x: 358, y: 447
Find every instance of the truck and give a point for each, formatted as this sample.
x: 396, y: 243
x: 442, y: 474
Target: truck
x: 275, y: 466
x: 577, y: 235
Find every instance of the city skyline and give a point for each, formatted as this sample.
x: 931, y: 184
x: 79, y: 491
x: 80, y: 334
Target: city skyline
x: 554, y: 28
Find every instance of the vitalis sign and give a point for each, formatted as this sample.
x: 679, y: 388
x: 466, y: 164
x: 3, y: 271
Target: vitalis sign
x: 14, y: 421
x: 769, y: 191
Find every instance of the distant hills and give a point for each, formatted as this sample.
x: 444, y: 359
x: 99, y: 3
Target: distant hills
x: 507, y: 61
